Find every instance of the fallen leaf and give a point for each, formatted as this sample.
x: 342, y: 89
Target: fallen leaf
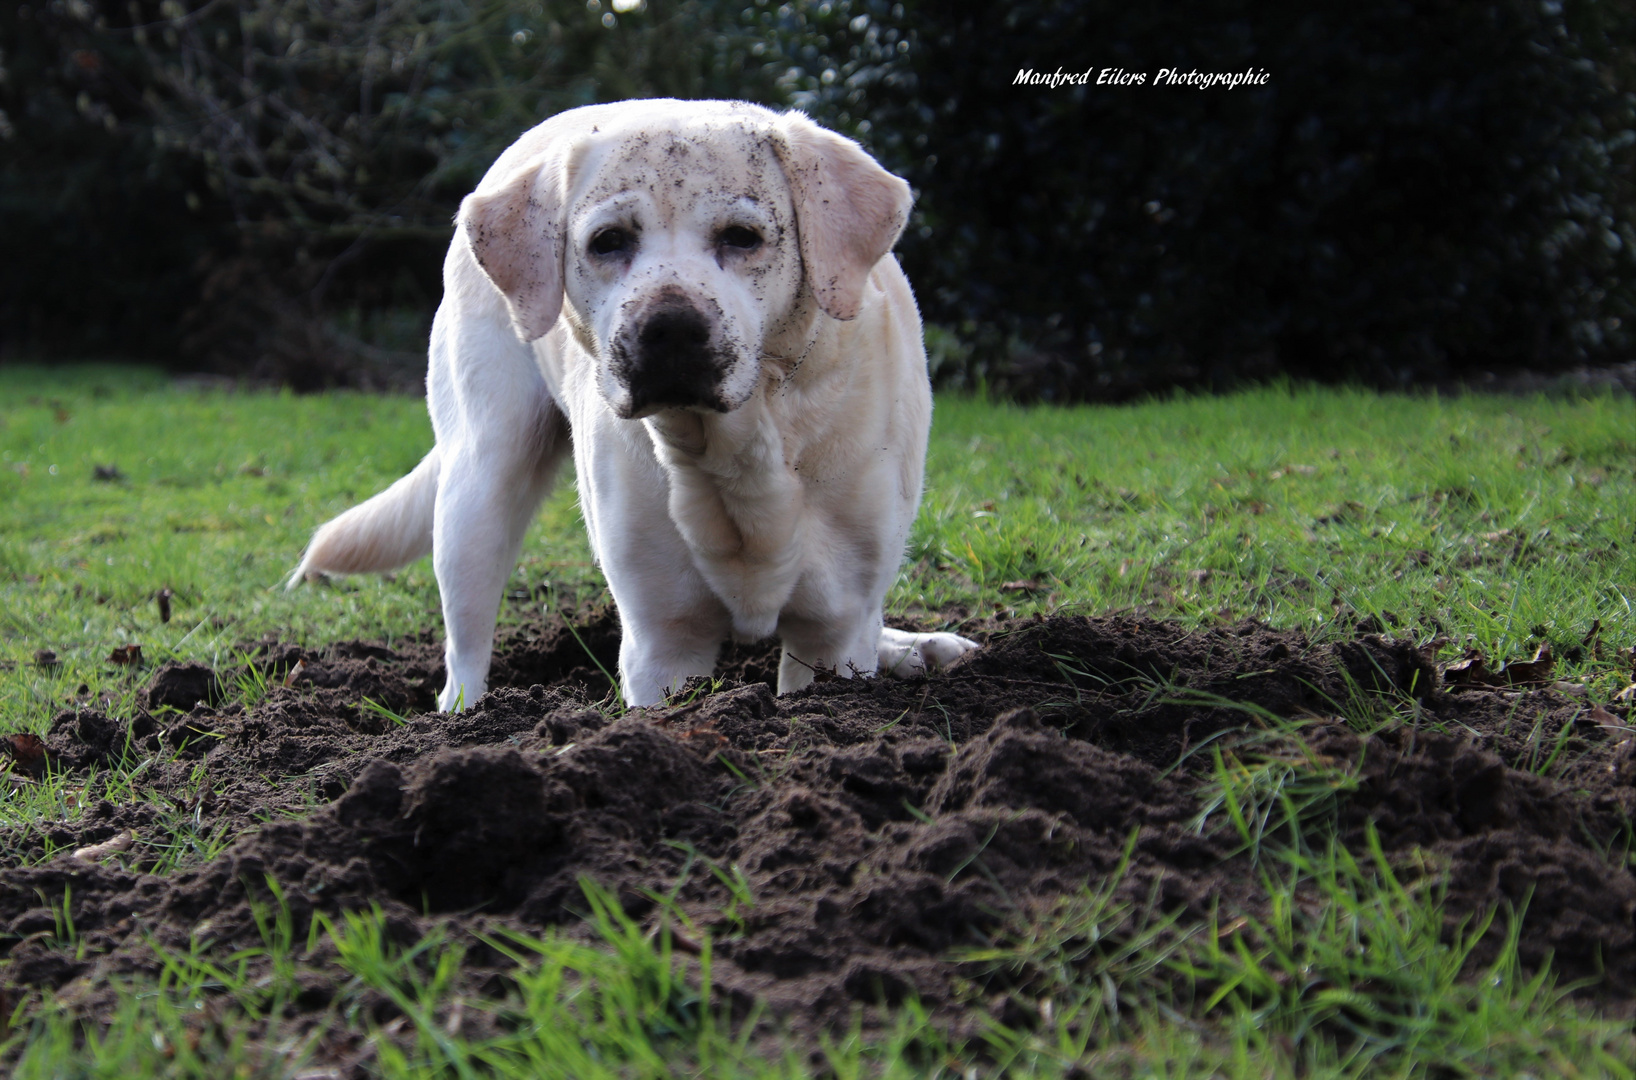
x: 126, y: 655
x: 112, y: 846
x: 683, y: 941
x: 1531, y: 672
x: 295, y: 673
x: 1347, y: 511
x: 1470, y: 670
x: 457, y: 1016
x: 1029, y: 585
x: 1571, y: 689
x: 1604, y: 719
x: 707, y: 734
x: 28, y: 751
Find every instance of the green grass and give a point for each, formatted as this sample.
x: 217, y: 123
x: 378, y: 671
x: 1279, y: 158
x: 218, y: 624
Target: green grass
x: 1500, y: 519
x: 1497, y: 522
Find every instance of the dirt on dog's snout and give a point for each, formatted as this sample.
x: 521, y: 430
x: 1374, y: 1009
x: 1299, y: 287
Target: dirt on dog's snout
x: 876, y: 825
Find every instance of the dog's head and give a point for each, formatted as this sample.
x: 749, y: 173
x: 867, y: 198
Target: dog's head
x: 683, y: 237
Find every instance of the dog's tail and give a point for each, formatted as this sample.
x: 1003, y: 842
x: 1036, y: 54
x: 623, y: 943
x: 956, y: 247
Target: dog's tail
x: 393, y: 528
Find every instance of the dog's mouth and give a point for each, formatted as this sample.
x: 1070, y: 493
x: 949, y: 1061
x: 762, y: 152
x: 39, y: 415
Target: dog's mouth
x: 637, y: 409
x: 669, y: 360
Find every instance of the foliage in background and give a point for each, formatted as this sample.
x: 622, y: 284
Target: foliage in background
x: 289, y: 167
x: 1417, y: 193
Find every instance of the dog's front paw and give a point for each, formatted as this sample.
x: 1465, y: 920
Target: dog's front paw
x: 905, y: 655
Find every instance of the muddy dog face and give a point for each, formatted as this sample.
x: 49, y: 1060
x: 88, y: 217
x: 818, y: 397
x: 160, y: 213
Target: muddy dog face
x: 681, y: 252
x: 684, y: 238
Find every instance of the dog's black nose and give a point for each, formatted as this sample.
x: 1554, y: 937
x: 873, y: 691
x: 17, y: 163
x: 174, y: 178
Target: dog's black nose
x: 674, y: 335
x: 671, y: 363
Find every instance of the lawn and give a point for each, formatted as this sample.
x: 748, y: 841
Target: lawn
x: 138, y: 511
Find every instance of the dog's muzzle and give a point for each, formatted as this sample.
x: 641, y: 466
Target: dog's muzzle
x: 668, y: 361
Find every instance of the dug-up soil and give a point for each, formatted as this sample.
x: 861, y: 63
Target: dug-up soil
x: 881, y: 825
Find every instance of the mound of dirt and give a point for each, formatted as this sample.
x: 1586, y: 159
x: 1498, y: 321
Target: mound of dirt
x: 878, y: 824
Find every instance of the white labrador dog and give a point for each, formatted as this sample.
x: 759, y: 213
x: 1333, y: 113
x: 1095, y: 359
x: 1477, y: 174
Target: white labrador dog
x: 697, y: 297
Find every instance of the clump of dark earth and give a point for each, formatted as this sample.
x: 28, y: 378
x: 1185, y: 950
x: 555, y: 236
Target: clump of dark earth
x: 182, y: 686
x: 880, y: 824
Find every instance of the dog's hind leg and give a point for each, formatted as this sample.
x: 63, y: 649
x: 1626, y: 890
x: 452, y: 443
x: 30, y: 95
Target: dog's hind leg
x: 486, y: 498
x: 904, y: 655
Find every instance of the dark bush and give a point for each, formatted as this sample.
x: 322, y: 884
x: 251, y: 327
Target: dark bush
x: 1420, y: 191
x: 268, y: 185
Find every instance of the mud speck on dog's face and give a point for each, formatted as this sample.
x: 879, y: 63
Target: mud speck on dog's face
x: 697, y: 217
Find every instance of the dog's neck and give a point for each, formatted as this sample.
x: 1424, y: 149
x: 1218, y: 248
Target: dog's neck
x: 737, y: 492
x: 737, y: 504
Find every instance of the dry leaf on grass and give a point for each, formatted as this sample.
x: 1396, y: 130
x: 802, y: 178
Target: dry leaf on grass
x: 27, y: 751
x: 1470, y: 670
x: 1473, y: 670
x: 1534, y: 672
x: 1604, y: 719
x: 126, y: 656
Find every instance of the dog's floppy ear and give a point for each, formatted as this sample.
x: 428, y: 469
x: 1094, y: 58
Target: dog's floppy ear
x: 849, y: 210
x: 515, y: 231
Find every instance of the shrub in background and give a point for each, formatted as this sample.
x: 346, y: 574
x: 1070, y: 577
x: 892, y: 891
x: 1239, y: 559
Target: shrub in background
x: 1419, y: 191
x: 277, y: 177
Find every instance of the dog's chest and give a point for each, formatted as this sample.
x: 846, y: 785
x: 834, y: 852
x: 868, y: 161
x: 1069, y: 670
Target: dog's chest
x: 739, y: 508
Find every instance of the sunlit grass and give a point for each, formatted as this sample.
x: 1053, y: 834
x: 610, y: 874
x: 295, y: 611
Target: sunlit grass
x: 1501, y: 519
x: 1498, y: 522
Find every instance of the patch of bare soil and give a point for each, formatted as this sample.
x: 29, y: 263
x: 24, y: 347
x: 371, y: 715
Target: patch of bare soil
x: 880, y: 824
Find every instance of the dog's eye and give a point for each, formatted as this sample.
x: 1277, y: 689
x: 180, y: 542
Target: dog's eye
x: 739, y: 236
x: 611, y: 241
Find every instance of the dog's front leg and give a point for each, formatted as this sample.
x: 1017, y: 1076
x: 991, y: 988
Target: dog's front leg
x: 844, y: 647
x: 486, y: 497
x: 671, y: 624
